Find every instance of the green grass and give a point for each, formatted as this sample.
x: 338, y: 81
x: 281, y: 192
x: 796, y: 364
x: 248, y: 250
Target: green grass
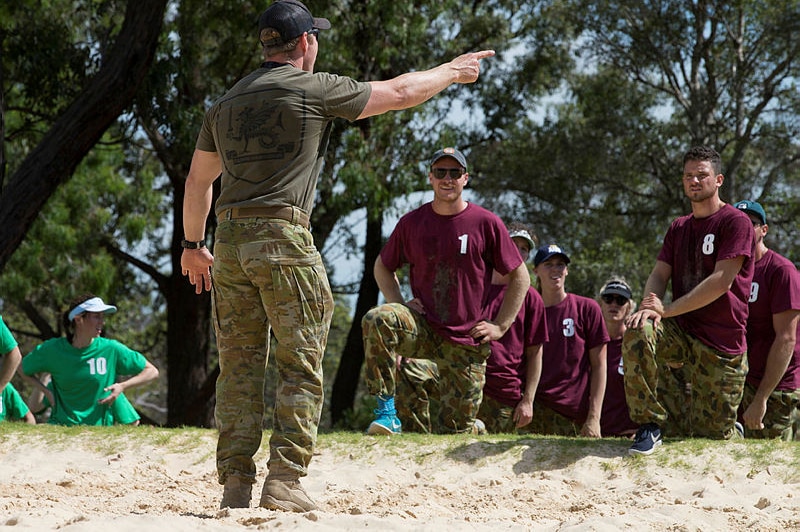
x: 751, y: 457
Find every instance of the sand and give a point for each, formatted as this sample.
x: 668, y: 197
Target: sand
x: 145, y: 479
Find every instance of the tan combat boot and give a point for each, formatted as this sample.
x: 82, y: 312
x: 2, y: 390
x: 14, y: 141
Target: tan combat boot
x: 285, y: 494
x: 236, y: 493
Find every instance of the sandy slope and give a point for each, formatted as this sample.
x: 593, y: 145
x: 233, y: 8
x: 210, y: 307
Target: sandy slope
x: 158, y: 479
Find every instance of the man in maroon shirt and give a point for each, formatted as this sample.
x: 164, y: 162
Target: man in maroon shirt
x: 707, y: 257
x: 772, y: 389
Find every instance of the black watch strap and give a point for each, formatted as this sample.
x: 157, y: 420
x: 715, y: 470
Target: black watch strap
x: 188, y: 244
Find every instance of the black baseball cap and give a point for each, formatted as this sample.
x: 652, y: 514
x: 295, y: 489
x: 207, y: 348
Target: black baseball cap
x: 284, y: 20
x: 616, y: 288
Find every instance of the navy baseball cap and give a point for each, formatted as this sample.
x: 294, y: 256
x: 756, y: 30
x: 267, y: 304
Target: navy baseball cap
x: 754, y: 208
x: 284, y: 20
x: 545, y: 252
x: 450, y: 152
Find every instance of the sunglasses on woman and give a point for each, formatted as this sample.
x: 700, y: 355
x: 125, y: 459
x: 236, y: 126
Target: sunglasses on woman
x: 619, y: 300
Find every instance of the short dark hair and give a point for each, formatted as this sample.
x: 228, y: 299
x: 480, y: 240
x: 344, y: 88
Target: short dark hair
x: 704, y: 153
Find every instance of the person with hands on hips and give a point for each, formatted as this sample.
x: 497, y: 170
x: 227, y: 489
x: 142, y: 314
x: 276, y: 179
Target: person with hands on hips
x: 84, y: 366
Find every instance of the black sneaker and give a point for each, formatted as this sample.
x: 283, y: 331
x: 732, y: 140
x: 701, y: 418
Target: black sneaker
x: 647, y: 438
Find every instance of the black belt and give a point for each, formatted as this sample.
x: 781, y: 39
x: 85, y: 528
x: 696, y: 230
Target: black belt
x: 290, y: 214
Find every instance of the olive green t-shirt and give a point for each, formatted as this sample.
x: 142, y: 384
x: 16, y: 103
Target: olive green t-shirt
x: 271, y: 131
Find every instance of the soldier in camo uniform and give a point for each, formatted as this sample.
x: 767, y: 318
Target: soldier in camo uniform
x: 708, y: 258
x: 266, y: 138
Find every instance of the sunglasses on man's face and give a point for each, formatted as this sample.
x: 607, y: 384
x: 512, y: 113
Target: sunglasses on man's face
x: 619, y: 300
x: 314, y: 32
x: 452, y: 173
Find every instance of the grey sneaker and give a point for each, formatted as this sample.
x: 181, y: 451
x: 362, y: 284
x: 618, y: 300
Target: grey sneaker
x: 479, y: 427
x: 285, y: 495
x: 236, y: 493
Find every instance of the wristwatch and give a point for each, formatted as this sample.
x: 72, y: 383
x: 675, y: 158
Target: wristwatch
x: 188, y: 244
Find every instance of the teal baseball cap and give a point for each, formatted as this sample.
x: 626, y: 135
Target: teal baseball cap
x: 754, y: 208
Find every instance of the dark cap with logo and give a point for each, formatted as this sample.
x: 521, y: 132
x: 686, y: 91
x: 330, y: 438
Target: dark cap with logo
x: 285, y: 20
x: 618, y: 288
x: 450, y: 152
x: 754, y: 208
x: 545, y: 252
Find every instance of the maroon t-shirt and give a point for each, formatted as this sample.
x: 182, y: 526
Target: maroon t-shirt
x: 506, y: 366
x: 615, y: 419
x: 450, y: 260
x: 775, y: 289
x: 574, y: 327
x: 692, y: 247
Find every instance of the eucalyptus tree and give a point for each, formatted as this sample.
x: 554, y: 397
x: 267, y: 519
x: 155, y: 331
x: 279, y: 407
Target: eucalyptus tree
x: 67, y: 70
x: 652, y: 78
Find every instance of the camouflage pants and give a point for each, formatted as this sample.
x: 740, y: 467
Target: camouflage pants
x: 497, y: 417
x: 417, y: 394
x: 548, y: 421
x: 700, y: 399
x: 781, y: 416
x: 267, y: 274
x: 393, y: 330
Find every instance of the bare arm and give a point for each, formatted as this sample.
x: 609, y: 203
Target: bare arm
x: 780, y: 353
x: 709, y: 289
x: 196, y: 263
x: 523, y: 413
x: 29, y: 418
x: 597, y: 390
x: 656, y: 286
x: 149, y: 373
x: 11, y: 361
x: 415, y: 88
x: 519, y: 280
x: 387, y: 282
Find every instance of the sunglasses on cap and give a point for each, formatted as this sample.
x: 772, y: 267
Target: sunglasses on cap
x: 452, y: 173
x: 612, y: 298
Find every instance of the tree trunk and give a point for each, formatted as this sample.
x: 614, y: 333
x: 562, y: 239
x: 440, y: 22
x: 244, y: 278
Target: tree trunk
x: 55, y: 158
x: 344, y: 388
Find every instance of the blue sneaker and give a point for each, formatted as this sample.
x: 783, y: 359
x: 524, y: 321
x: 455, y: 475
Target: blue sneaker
x: 647, y: 438
x: 739, y: 428
x: 387, y: 422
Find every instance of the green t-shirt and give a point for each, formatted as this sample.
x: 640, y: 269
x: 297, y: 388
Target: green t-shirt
x: 80, y: 376
x: 12, y: 406
x: 271, y: 131
x: 7, y: 341
x: 122, y: 410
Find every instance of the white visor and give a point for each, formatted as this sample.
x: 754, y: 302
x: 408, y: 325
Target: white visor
x: 91, y: 305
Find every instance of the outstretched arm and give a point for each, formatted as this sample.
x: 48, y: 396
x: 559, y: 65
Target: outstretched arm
x: 415, y: 88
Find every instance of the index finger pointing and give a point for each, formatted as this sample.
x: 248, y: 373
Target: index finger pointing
x: 483, y: 54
